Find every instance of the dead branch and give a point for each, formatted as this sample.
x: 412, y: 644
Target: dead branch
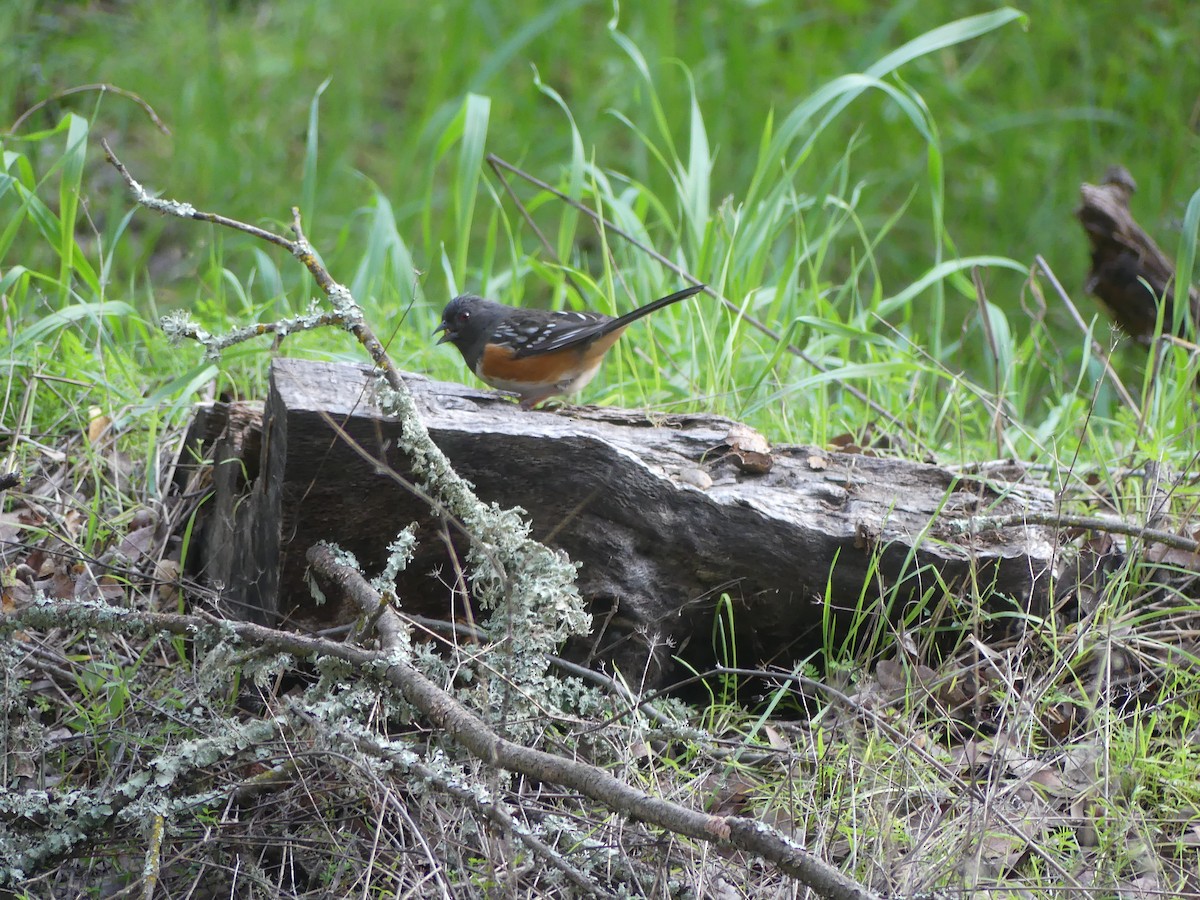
x: 1108, y: 524
x: 1130, y: 275
x: 470, y: 731
x: 636, y: 504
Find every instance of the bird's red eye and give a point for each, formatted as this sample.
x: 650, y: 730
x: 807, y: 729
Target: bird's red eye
x: 461, y: 318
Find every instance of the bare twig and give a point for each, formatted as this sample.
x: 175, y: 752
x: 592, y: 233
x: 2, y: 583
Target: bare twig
x: 1109, y: 524
x: 103, y: 88
x: 528, y: 217
x: 187, y: 211
x: 1097, y: 350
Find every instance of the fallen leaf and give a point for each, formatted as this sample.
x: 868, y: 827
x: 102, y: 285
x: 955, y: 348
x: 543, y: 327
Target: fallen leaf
x: 98, y: 424
x: 136, y: 545
x: 749, y: 450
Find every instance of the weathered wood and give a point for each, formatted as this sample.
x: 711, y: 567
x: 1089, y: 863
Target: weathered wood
x: 663, y: 518
x: 1129, y: 271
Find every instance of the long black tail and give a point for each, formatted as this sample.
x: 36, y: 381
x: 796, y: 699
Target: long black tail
x: 581, y: 329
x: 622, y: 321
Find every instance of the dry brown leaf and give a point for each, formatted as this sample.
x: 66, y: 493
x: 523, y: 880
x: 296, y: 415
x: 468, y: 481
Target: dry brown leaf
x: 1003, y: 849
x: 1050, y: 782
x: 143, y: 517
x: 749, y: 450
x: 73, y: 522
x: 898, y: 679
x: 846, y: 443
x: 890, y: 675
x: 743, y: 437
x: 972, y: 755
x: 106, y: 588
x: 98, y: 424
x: 166, y: 576
x: 15, y: 596
x: 137, y: 545
x: 728, y: 796
x: 1059, y: 720
x: 775, y: 738
x: 55, y: 579
x: 12, y: 524
x: 640, y: 750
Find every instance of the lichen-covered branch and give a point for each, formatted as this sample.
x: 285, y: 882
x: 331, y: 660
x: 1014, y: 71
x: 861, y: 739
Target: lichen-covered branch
x: 75, y: 817
x: 488, y: 807
x: 471, y: 732
x: 458, y: 723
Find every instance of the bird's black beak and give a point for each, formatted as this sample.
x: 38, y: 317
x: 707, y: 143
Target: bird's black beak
x: 446, y: 336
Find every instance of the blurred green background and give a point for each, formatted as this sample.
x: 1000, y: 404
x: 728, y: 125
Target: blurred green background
x: 1025, y: 114
x: 1020, y: 117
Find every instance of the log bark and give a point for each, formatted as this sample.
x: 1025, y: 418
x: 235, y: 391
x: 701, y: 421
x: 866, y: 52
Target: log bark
x: 666, y: 515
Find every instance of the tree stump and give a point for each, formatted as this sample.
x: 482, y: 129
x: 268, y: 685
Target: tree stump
x: 1130, y: 275
x: 670, y: 517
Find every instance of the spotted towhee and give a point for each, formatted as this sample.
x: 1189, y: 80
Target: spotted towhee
x: 536, y: 353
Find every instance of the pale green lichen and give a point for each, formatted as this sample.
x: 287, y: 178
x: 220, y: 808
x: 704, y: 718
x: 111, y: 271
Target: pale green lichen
x: 342, y: 557
x: 528, y: 588
x: 314, y: 588
x: 179, y: 326
x: 400, y: 554
x: 73, y: 817
x: 264, y: 669
x: 229, y: 740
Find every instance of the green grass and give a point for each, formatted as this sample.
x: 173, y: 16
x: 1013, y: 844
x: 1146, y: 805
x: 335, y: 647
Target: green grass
x: 984, y: 156
x: 815, y: 202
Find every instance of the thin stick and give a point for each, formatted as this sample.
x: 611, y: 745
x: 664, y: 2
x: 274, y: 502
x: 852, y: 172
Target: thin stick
x: 1097, y: 350
x: 103, y: 88
x: 529, y: 220
x: 1109, y: 524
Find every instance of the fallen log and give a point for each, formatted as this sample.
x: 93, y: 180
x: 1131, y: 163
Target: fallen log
x: 672, y: 519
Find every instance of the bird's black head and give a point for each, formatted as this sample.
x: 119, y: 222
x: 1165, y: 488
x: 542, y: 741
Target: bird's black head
x: 457, y: 320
